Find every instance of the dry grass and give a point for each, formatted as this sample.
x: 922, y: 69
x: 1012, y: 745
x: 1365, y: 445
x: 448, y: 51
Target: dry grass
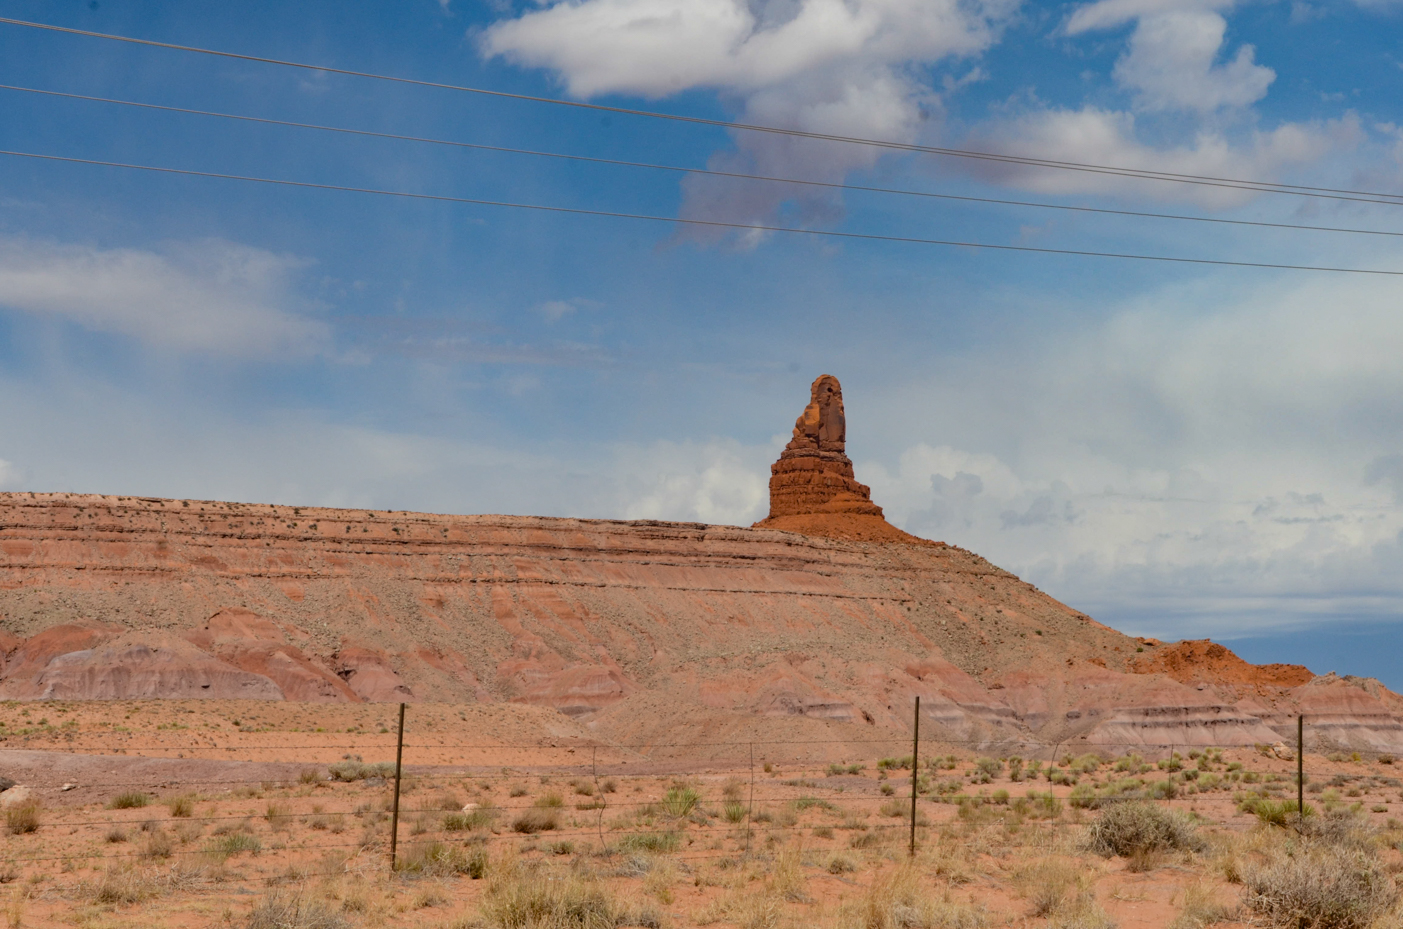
x: 23, y: 818
x: 518, y: 897
x: 900, y: 899
x: 1200, y: 907
x: 281, y: 910
x: 437, y: 859
x: 1318, y: 886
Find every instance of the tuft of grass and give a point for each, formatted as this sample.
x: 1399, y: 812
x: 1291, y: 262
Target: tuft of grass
x: 222, y: 848
x: 279, y: 819
x: 436, y: 859
x: 550, y: 801
x: 733, y: 811
x: 181, y: 806
x: 679, y: 801
x: 309, y: 776
x: 23, y: 818
x: 289, y: 911
x: 901, y: 898
x: 517, y: 898
x: 1320, y: 887
x: 661, y: 842
x: 480, y: 818
x: 1201, y: 908
x: 1138, y: 827
x: 1272, y: 811
x: 130, y: 800
x: 536, y: 820
x: 124, y: 885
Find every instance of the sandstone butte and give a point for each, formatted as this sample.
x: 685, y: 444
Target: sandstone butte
x: 822, y: 621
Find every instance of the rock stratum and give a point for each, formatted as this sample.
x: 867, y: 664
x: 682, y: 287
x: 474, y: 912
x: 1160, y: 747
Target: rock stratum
x: 822, y: 622
x: 637, y: 627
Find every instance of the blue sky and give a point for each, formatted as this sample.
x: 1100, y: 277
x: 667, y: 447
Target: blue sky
x: 1179, y: 450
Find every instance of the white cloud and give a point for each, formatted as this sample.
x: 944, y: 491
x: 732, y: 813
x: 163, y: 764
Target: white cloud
x: 718, y: 481
x: 213, y: 296
x: 819, y: 65
x: 1108, y: 137
x: 1197, y: 472
x: 1172, y: 62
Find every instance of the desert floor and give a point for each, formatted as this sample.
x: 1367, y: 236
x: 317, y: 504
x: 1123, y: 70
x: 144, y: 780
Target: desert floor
x: 200, y: 813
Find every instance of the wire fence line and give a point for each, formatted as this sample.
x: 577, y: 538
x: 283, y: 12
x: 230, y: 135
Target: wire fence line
x: 561, y: 798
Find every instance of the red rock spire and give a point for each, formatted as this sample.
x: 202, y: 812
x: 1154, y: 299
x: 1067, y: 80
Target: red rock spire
x: 813, y: 474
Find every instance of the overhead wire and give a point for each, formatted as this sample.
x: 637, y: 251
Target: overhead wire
x: 1121, y: 171
x: 709, y: 223
x: 709, y: 172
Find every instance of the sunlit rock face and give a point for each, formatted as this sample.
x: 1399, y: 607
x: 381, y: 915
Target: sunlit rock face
x: 813, y: 474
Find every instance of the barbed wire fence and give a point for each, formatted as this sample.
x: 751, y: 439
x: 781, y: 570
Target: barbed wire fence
x: 673, y: 808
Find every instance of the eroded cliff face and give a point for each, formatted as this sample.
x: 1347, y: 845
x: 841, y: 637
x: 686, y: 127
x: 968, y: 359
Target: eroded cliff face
x: 638, y: 629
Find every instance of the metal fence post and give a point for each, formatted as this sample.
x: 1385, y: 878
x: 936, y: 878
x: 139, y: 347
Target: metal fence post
x: 394, y: 816
x: 915, y: 766
x: 1301, y: 769
x: 750, y: 808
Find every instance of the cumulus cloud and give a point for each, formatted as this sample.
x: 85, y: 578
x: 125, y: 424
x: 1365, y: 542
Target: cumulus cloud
x: 1172, y: 61
x: 1092, y: 135
x: 1182, y: 474
x: 846, y: 68
x: 212, y: 297
x: 711, y: 482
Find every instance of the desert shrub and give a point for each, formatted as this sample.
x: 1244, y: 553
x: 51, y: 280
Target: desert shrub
x: 1319, y: 887
x: 733, y: 811
x: 116, y: 834
x: 679, y: 801
x: 550, y: 801
x: 518, y: 790
x: 661, y: 842
x: 1344, y: 828
x: 1136, y: 827
x: 130, y: 800
x: 1085, y: 764
x: 23, y: 818
x: 437, y: 859
x: 536, y: 819
x: 608, y: 785
x: 1385, y: 758
x: 1059, y: 890
x: 1015, y: 768
x: 583, y: 788
x: 309, y: 776
x: 181, y: 806
x: 986, y: 769
x: 353, y: 769
x: 289, y: 911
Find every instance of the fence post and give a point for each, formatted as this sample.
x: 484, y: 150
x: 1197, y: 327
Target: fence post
x: 750, y: 808
x: 1301, y: 769
x: 915, y: 767
x: 394, y: 816
x: 598, y: 796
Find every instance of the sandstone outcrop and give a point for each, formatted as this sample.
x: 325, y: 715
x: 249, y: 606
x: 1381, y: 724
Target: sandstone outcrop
x: 813, y: 489
x: 822, y: 622
x: 813, y: 474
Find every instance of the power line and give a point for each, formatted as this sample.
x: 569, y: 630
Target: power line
x: 1143, y: 174
x: 703, y: 171
x: 717, y: 224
